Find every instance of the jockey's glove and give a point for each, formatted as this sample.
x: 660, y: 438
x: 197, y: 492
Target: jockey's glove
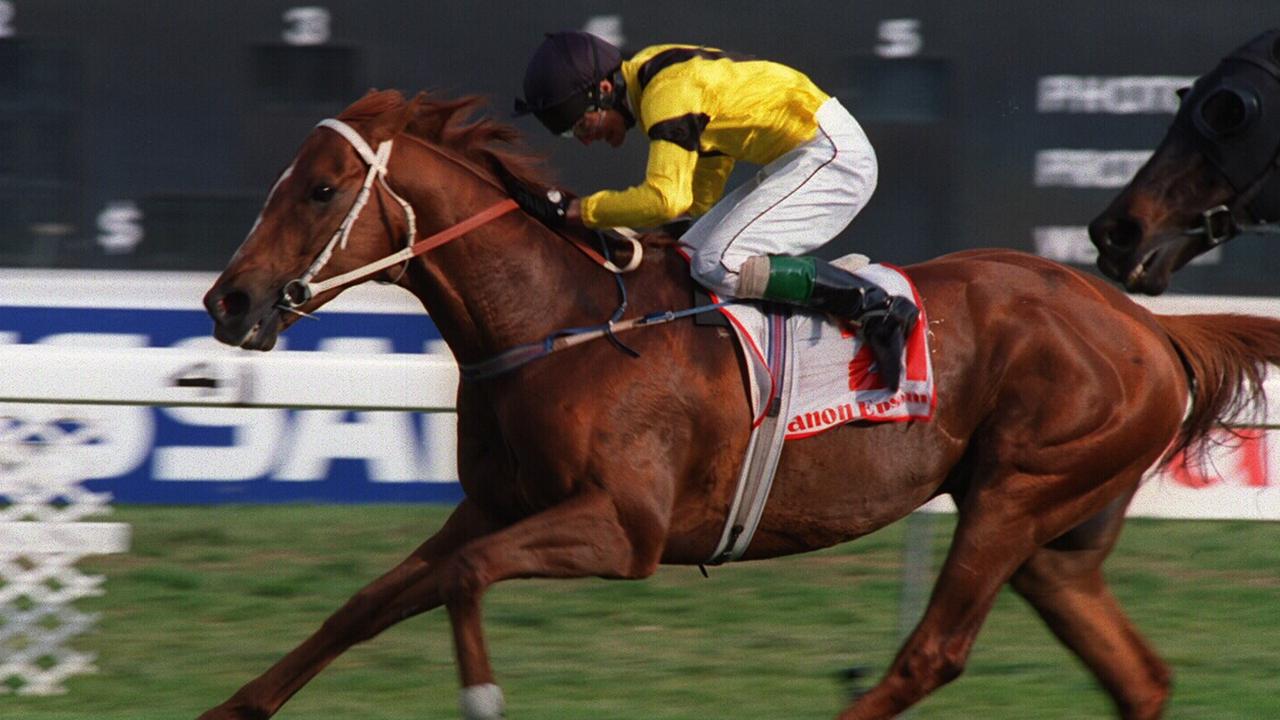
x: 549, y: 208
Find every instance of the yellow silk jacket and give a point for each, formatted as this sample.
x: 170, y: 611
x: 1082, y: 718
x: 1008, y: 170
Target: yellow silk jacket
x: 702, y: 110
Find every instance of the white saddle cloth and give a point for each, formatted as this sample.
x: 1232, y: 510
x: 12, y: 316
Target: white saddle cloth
x: 835, y: 375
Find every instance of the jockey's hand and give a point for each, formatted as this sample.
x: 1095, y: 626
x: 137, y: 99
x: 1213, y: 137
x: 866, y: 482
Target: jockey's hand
x: 550, y: 208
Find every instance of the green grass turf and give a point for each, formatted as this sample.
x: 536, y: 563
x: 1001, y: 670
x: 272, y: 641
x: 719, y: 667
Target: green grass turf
x: 209, y: 597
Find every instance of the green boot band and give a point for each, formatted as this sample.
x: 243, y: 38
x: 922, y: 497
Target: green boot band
x: 790, y: 279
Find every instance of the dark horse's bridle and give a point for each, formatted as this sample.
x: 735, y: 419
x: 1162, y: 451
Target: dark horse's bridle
x: 1224, y: 113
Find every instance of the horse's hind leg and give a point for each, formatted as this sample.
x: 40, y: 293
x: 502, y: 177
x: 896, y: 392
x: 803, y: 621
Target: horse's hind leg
x: 410, y: 588
x: 1063, y: 582
x: 997, y: 531
x: 979, y: 562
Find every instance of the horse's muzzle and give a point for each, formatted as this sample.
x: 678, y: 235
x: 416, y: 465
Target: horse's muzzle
x: 239, y: 320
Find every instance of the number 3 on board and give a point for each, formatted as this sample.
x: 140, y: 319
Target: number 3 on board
x: 305, y: 25
x: 7, y: 11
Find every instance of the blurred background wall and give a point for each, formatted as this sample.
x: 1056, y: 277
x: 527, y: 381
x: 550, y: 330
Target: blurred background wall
x: 143, y: 135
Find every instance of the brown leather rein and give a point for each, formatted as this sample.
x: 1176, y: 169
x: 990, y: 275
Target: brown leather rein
x: 299, y: 291
x: 302, y: 289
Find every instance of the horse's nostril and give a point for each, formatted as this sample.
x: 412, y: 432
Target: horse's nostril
x: 234, y: 304
x: 1124, y: 233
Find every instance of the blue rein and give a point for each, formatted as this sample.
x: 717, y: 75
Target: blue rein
x: 520, y: 355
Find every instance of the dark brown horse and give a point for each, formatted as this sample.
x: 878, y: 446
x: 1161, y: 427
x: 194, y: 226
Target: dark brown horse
x: 1215, y: 174
x: 1055, y: 392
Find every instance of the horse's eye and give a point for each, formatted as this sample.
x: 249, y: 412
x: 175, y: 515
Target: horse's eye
x: 322, y: 193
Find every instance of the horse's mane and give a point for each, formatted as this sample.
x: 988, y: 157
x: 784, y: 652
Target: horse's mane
x: 487, y: 142
x: 491, y: 144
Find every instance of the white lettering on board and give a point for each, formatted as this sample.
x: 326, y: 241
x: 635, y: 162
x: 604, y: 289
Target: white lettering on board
x: 1088, y: 168
x: 1071, y: 244
x: 306, y: 26
x: 255, y: 436
x: 120, y: 227
x: 899, y: 38
x: 7, y: 12
x: 607, y: 28
x: 122, y: 435
x: 1065, y: 244
x: 1126, y: 95
x: 386, y: 441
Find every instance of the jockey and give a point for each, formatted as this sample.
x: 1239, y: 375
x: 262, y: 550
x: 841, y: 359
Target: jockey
x: 704, y: 109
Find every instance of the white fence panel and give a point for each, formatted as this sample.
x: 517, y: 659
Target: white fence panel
x: 43, y: 505
x: 177, y: 376
x: 42, y: 535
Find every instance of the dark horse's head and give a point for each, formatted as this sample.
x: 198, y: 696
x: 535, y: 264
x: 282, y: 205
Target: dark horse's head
x: 1214, y: 174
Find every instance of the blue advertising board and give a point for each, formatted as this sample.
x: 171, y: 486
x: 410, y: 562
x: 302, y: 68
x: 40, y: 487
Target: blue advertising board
x: 186, y: 455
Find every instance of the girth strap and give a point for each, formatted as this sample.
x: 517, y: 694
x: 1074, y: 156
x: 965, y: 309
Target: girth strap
x: 764, y: 449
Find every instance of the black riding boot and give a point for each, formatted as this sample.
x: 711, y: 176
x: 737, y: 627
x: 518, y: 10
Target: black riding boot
x: 809, y: 282
x: 886, y: 320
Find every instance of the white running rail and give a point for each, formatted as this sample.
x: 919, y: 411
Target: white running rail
x: 43, y: 505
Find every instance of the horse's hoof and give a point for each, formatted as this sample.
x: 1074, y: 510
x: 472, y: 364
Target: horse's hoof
x: 851, y: 678
x: 482, y: 702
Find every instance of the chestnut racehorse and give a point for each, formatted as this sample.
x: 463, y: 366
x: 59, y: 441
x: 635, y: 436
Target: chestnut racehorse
x: 1216, y: 174
x: 1055, y: 394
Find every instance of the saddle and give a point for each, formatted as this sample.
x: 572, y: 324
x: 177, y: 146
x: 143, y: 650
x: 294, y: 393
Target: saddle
x: 810, y: 375
x: 836, y: 377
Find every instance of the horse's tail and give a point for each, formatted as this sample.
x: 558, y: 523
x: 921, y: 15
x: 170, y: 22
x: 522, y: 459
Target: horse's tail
x: 1226, y: 356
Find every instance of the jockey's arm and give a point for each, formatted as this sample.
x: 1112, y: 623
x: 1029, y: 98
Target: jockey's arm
x: 666, y: 193
x: 709, y: 178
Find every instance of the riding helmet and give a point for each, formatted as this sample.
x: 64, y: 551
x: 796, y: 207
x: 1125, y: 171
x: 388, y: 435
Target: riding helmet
x: 563, y: 78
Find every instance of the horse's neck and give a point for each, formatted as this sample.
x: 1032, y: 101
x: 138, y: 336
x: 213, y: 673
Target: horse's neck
x: 508, y: 282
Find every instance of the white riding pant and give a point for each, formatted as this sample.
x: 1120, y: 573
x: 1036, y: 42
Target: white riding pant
x: 792, y: 206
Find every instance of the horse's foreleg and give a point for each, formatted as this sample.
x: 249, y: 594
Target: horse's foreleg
x: 412, y: 587
x: 582, y: 537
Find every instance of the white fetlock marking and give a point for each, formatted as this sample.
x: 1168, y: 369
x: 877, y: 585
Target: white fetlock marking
x: 482, y: 702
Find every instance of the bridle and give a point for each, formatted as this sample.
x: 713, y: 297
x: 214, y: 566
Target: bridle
x: 1245, y: 150
x: 300, y: 290
x: 1218, y: 225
